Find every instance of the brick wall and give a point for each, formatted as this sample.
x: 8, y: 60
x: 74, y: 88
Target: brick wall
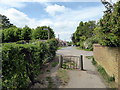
x: 109, y: 58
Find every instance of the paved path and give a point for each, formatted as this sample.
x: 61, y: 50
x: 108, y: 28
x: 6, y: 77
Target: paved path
x: 82, y: 79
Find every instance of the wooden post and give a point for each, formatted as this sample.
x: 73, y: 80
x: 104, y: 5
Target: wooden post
x: 60, y: 61
x: 81, y: 61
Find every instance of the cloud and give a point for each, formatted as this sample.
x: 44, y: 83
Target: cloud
x: 5, y: 1
x: 20, y: 1
x: 63, y: 20
x: 19, y: 18
x: 16, y: 17
x: 11, y: 3
x: 53, y: 9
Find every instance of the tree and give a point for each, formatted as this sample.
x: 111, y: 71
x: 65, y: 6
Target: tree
x: 83, y: 32
x: 26, y: 33
x: 109, y: 30
x: 17, y: 34
x: 8, y: 34
x: 4, y: 22
x: 41, y: 33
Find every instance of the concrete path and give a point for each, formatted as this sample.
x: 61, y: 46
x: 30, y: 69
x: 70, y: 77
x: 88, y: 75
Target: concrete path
x: 82, y: 79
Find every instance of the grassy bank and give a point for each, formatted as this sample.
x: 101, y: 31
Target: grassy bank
x: 83, y: 49
x: 63, y: 76
x: 60, y: 48
x: 109, y: 80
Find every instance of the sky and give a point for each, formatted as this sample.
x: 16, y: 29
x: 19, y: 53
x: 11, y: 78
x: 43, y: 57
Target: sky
x: 63, y: 16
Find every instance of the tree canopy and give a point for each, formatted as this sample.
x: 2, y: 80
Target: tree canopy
x: 42, y: 33
x: 106, y: 32
x: 4, y: 22
x: 109, y: 27
x: 83, y: 32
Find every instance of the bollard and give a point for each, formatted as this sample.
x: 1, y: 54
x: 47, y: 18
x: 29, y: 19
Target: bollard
x: 81, y: 61
x: 60, y: 61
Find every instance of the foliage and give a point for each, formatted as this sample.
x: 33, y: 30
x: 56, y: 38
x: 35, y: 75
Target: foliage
x: 88, y: 44
x: 21, y: 63
x: 26, y: 33
x: 4, y: 22
x: 83, y: 32
x: 109, y: 79
x: 94, y: 62
x: 54, y: 64
x: 63, y: 76
x: 50, y: 82
x: 11, y: 34
x: 40, y: 33
x: 105, y: 75
x: 14, y: 34
x: 106, y: 32
x: 69, y: 43
x: 109, y: 28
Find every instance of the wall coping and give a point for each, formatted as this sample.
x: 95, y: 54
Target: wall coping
x: 98, y: 45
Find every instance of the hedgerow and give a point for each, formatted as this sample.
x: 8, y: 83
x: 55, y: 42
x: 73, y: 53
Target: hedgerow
x: 21, y: 63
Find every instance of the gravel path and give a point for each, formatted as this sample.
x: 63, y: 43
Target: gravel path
x: 82, y: 79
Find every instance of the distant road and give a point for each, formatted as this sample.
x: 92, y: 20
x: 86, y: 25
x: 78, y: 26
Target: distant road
x: 73, y: 51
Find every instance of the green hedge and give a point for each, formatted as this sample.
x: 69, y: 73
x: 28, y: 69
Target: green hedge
x: 21, y: 63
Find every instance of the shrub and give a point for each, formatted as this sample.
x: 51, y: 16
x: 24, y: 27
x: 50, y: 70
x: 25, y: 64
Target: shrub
x: 21, y: 63
x: 88, y: 44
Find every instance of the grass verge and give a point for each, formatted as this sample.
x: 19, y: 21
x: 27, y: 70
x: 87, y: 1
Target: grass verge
x: 60, y: 48
x: 89, y: 57
x: 54, y: 64
x: 63, y: 76
x: 83, y: 49
x: 50, y: 82
x: 110, y: 80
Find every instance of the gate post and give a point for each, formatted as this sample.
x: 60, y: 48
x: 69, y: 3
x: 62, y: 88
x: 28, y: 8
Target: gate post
x: 81, y: 61
x: 60, y: 61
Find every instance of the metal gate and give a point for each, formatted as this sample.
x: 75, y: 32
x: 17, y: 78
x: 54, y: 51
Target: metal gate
x: 71, y: 62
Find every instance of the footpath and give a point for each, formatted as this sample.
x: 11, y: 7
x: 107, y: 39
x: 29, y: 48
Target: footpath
x: 89, y: 78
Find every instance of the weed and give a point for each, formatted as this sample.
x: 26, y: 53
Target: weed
x: 105, y: 75
x: 47, y: 70
x: 50, y: 82
x: 89, y: 57
x: 54, y: 64
x: 63, y: 76
x: 48, y: 78
x: 109, y: 79
x: 94, y: 62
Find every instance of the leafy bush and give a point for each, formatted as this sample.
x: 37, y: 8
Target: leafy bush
x: 109, y: 31
x: 88, y: 44
x: 21, y: 63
